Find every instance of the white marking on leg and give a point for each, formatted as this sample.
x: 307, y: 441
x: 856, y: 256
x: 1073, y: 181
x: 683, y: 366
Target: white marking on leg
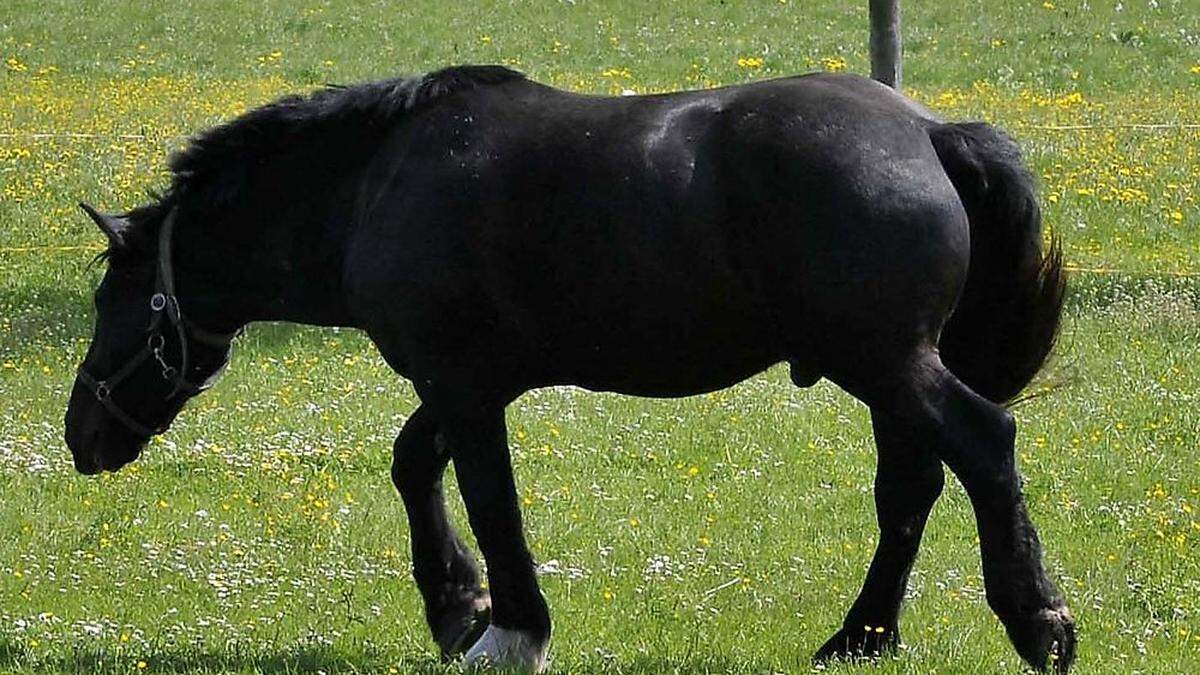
x: 507, y: 648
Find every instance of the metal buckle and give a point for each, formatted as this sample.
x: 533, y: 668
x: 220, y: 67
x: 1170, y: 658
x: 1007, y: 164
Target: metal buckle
x: 102, y: 391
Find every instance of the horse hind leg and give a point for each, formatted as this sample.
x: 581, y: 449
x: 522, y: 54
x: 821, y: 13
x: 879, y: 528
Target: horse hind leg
x: 908, y: 481
x: 975, y: 439
x: 456, y: 608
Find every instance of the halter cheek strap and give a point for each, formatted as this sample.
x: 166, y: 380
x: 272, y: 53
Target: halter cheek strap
x: 103, y: 392
x: 164, y: 302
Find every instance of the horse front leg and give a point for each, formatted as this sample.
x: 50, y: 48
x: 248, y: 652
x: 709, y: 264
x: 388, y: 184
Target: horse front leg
x: 908, y: 480
x: 519, y: 634
x: 456, y: 608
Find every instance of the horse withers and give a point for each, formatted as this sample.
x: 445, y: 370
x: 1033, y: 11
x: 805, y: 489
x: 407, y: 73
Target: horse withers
x: 493, y: 235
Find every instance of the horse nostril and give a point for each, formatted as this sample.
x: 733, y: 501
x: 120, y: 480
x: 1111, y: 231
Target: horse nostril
x: 87, y: 463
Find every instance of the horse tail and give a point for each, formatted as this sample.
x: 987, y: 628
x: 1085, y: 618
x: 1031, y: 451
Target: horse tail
x: 1007, y: 317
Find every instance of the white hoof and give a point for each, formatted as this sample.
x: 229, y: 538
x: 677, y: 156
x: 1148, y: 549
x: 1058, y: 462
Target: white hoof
x: 507, y: 649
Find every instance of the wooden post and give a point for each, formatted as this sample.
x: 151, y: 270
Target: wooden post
x: 885, y: 42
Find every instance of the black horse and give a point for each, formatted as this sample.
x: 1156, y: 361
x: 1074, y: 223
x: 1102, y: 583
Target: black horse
x: 494, y: 235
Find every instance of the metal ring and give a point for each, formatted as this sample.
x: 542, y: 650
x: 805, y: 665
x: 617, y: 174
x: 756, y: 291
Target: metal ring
x: 102, y: 391
x: 158, y: 302
x: 156, y: 342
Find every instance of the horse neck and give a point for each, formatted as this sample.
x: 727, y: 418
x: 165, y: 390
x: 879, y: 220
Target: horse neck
x: 264, y: 264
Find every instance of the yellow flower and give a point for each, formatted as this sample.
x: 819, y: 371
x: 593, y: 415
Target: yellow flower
x: 834, y: 64
x: 750, y: 62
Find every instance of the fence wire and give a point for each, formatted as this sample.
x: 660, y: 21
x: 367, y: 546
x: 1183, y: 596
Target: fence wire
x: 1073, y: 269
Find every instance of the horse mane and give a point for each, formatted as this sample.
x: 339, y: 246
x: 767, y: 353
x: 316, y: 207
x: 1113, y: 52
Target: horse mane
x: 213, y: 166
x: 209, y: 159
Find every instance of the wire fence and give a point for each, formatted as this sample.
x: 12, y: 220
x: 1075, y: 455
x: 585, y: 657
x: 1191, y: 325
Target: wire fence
x: 1073, y: 269
x: 82, y: 136
x: 1126, y: 127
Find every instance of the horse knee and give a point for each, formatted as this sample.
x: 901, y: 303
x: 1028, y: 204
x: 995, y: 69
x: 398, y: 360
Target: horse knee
x: 418, y: 456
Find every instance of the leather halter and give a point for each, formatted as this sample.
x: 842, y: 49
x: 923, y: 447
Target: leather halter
x: 164, y: 302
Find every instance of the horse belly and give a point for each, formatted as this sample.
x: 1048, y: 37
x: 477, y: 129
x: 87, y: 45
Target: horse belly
x: 664, y: 342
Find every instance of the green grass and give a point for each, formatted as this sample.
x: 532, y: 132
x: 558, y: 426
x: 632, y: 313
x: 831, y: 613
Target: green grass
x: 262, y: 533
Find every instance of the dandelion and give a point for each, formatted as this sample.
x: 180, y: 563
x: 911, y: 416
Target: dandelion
x: 750, y: 62
x: 270, y: 58
x: 833, y: 64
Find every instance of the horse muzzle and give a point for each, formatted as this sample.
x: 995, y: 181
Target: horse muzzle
x: 95, y: 442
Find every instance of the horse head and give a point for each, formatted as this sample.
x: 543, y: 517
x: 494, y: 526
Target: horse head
x: 145, y: 360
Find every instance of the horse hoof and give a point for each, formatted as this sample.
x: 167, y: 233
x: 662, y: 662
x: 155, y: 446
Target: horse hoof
x: 868, y: 642
x: 1045, y: 639
x: 507, y: 649
x: 463, y: 623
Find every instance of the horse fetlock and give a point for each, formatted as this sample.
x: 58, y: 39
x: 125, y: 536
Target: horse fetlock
x: 459, y: 620
x: 1045, y: 638
x: 508, y: 649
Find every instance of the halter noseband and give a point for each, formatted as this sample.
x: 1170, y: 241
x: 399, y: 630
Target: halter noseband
x: 163, y: 303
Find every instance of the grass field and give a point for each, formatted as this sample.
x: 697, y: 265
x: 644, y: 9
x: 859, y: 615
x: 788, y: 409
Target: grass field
x: 722, y: 533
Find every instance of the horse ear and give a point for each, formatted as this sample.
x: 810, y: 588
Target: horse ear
x: 113, y: 227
